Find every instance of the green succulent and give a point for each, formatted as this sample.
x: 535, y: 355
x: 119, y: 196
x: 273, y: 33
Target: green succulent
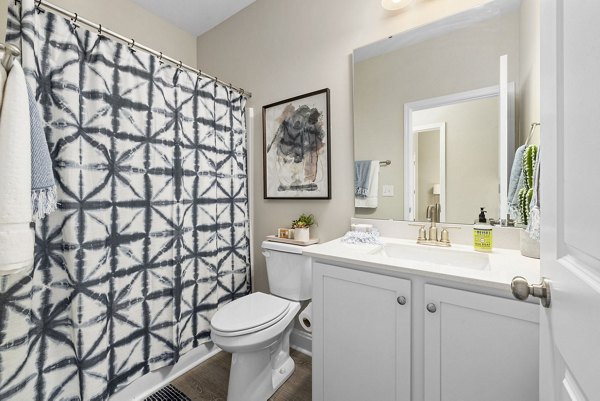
x: 304, y: 221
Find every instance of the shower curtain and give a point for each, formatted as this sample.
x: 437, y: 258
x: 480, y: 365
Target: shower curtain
x: 152, y: 232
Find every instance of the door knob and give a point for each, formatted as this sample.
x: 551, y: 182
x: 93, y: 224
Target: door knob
x: 521, y: 289
x: 431, y: 308
x: 401, y: 300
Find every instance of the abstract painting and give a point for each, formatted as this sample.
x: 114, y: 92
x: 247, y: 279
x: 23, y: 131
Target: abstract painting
x: 296, y: 147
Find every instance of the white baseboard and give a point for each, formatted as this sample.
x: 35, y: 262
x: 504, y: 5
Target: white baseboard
x: 149, y: 383
x: 301, y: 341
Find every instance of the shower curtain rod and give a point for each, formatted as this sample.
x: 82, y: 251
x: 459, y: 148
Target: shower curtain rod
x: 131, y: 43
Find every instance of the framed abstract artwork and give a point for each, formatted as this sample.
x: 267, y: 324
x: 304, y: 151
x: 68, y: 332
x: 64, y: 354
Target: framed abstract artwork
x: 296, y: 153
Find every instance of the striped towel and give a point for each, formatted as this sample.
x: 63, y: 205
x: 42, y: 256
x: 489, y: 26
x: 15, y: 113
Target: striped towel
x: 43, y: 188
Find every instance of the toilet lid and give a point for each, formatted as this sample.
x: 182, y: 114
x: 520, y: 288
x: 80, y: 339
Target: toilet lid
x: 254, y: 311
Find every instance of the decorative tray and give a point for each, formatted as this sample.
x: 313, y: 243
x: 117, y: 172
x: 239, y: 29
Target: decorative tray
x: 275, y: 238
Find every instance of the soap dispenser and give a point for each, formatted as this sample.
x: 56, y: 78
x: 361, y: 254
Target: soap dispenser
x: 481, y: 219
x: 482, y: 233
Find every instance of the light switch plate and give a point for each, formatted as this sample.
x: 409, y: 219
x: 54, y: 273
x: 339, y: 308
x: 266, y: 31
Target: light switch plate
x: 388, y: 190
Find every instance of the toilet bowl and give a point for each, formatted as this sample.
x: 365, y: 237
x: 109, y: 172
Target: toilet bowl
x: 256, y: 328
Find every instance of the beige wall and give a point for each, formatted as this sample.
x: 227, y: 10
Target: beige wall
x: 529, y: 88
x: 436, y: 67
x: 282, y: 48
x: 131, y: 20
x: 472, y: 176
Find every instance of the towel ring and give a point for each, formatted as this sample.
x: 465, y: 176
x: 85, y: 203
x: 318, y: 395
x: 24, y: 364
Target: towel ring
x: 531, y: 131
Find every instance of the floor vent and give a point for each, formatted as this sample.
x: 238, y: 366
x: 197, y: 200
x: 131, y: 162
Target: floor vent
x: 169, y: 393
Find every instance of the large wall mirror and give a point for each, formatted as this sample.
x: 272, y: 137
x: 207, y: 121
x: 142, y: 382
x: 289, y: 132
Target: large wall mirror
x: 439, y: 111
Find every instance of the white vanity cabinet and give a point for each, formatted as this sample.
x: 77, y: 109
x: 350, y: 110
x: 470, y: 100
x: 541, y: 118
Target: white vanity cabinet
x: 479, y: 347
x: 410, y: 338
x: 361, y: 335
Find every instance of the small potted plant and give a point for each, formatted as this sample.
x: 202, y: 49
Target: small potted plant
x: 302, y: 226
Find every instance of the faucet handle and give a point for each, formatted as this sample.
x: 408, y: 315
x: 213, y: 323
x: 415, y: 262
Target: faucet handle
x: 445, y: 235
x: 422, y: 233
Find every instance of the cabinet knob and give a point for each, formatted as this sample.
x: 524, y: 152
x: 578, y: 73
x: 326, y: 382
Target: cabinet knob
x: 431, y: 307
x: 401, y: 300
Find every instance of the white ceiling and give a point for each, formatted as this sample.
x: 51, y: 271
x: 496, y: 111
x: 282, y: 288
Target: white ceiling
x: 195, y: 16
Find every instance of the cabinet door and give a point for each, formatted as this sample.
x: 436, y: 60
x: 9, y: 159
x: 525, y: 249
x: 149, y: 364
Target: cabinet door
x: 361, y: 336
x: 479, y: 347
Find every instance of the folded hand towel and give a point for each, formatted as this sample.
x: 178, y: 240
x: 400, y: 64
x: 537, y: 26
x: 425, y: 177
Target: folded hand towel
x: 372, y: 197
x: 43, y: 190
x: 16, y: 237
x: 361, y: 178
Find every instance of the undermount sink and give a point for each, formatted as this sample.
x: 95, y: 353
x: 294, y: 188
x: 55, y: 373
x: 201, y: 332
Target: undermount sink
x: 433, y: 255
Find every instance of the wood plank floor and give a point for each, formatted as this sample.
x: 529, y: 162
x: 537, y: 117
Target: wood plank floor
x: 208, y: 381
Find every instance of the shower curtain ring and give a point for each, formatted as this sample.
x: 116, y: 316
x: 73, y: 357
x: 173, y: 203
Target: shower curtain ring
x: 74, y: 21
x: 38, y: 8
x: 179, y: 65
x: 199, y: 75
x: 216, y: 81
x: 131, y: 45
x: 160, y: 60
x: 99, y: 29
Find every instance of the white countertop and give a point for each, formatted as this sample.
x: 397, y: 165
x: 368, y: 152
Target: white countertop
x: 504, y: 264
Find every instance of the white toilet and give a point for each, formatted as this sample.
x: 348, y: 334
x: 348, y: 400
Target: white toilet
x: 256, y: 328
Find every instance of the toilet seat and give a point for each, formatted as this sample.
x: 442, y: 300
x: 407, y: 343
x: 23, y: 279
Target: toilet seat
x: 249, y: 314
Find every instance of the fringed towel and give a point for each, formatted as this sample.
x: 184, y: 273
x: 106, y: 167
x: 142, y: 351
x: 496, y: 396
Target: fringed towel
x: 372, y: 198
x: 43, y: 189
x: 361, y: 178
x: 16, y: 236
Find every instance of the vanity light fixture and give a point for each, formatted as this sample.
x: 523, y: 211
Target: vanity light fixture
x: 394, y: 5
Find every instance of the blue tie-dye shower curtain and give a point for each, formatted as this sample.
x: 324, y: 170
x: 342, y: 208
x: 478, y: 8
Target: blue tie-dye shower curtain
x: 152, y: 232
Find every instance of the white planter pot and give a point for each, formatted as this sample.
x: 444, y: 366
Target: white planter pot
x: 302, y: 234
x: 529, y: 247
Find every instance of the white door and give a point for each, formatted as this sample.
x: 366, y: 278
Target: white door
x: 361, y: 336
x: 570, y: 150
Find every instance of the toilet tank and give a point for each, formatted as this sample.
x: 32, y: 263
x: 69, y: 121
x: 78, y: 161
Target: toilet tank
x: 288, y: 271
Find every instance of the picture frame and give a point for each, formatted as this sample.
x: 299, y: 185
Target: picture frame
x: 286, y: 233
x: 297, y: 148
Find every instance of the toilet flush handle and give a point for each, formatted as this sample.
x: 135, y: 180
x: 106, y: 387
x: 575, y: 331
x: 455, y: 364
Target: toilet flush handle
x: 266, y: 254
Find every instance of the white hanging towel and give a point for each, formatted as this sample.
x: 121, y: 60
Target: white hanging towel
x: 370, y: 202
x: 16, y: 235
